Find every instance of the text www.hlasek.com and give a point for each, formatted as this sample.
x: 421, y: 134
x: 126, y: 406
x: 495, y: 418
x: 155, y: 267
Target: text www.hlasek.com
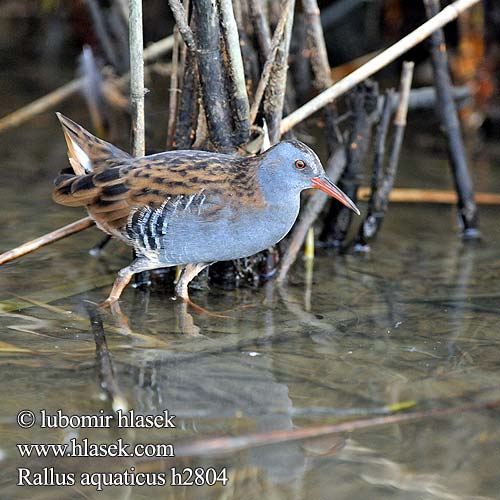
x: 86, y: 449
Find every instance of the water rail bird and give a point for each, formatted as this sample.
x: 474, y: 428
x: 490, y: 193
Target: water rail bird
x: 188, y: 208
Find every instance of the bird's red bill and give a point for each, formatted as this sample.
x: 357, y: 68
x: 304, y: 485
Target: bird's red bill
x: 328, y: 187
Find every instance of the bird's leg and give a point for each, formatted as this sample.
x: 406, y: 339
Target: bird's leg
x: 121, y: 281
x: 124, y: 277
x: 181, y: 289
x: 188, y: 274
x: 97, y: 249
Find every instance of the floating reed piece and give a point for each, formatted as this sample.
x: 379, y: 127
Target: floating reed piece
x: 448, y: 115
x: 444, y: 197
x: 223, y: 445
x: 137, y: 78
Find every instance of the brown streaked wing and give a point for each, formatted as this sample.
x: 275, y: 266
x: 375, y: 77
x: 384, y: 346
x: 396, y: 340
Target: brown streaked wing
x: 111, y: 195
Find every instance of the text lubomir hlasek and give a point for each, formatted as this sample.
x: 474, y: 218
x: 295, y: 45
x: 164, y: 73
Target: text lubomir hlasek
x: 122, y: 419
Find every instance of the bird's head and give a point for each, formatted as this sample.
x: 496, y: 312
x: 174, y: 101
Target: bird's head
x: 293, y: 166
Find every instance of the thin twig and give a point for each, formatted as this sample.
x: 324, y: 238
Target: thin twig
x: 275, y: 91
x: 425, y: 97
x: 187, y: 111
x: 409, y: 195
x: 201, y: 129
x: 380, y: 142
x: 213, y: 89
x: 137, y: 78
x: 105, y: 368
x: 399, y: 130
x: 261, y: 26
x: 365, y: 228
x: 93, y: 90
x: 224, y: 445
x: 248, y: 51
x: 321, y: 69
x: 158, y: 48
x: 319, y: 55
x: 448, y: 115
x: 40, y: 105
x: 173, y: 97
x: 102, y: 32
x: 181, y: 21
x: 239, y: 97
x: 383, y: 181
x: 268, y: 66
x: 364, y: 107
x: 447, y: 15
x: 46, y: 239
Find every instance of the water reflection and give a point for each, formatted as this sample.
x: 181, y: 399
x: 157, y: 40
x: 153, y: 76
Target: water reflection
x: 238, y: 385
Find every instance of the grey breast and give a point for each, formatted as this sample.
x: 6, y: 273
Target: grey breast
x: 200, y: 228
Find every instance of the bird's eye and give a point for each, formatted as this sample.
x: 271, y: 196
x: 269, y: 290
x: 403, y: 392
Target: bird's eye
x: 300, y: 164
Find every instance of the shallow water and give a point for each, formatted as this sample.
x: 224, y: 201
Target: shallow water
x: 416, y: 320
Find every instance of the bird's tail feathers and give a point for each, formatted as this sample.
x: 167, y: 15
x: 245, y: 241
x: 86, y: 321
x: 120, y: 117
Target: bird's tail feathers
x: 86, y: 152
